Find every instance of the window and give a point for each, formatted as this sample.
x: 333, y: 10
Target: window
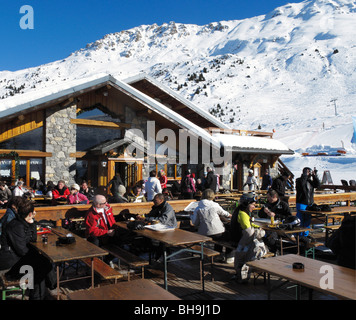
x: 29, y: 169
x: 81, y: 171
x: 6, y: 171
x: 32, y: 140
x: 89, y: 137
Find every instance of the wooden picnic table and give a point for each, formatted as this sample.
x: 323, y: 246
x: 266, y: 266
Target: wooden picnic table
x: 282, y: 233
x: 341, y: 281
x: 141, y: 289
x: 173, y: 238
x: 58, y: 254
x: 341, y: 210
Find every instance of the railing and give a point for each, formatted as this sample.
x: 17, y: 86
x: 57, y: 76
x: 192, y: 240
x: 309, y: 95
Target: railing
x: 56, y: 213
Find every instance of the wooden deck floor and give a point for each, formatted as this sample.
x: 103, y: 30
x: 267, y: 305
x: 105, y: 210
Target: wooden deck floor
x: 184, y: 282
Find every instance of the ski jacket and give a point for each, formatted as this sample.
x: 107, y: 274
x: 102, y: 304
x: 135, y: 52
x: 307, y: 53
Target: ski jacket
x: 96, y: 224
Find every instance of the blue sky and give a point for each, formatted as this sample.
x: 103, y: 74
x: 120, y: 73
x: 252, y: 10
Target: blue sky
x: 62, y: 27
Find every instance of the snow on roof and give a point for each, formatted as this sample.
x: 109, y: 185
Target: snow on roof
x: 178, y: 97
x: 250, y: 143
x: 33, y: 98
x: 28, y: 100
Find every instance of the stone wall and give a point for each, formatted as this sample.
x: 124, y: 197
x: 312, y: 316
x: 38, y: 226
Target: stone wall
x: 61, y: 141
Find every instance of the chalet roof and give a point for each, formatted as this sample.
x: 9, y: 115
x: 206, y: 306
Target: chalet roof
x: 11, y: 107
x: 252, y: 144
x: 32, y: 100
x: 170, y: 98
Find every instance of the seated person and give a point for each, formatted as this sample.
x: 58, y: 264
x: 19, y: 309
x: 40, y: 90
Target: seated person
x: 176, y: 188
x: 20, y: 190
x: 101, y: 228
x: 135, y: 195
x: 343, y: 244
x: 60, y: 192
x: 75, y: 197
x: 249, y: 237
x: 120, y: 195
x: 274, y: 207
x: 5, y: 195
x: 48, y: 189
x: 167, y: 194
x: 89, y: 192
x: 99, y: 222
x: 11, y: 211
x: 207, y: 217
x: 241, y: 218
x: 162, y: 211
x: 16, y: 252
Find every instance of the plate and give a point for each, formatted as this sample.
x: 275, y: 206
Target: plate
x: 159, y: 227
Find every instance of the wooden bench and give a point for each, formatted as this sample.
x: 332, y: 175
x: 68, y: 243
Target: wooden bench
x: 128, y: 258
x: 310, y: 248
x: 103, y: 269
x: 208, y: 254
x: 10, y: 286
x: 330, y: 229
x: 334, y: 217
x: 225, y: 244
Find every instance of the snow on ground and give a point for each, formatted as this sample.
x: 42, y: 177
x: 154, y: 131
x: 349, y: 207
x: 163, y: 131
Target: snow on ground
x: 315, y: 140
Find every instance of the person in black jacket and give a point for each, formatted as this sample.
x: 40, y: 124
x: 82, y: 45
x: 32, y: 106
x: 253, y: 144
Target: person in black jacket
x: 279, y: 184
x: 275, y: 207
x: 343, y: 243
x: 89, y: 192
x: 115, y: 182
x: 16, y: 253
x: 211, y: 181
x: 305, y: 186
x: 162, y: 211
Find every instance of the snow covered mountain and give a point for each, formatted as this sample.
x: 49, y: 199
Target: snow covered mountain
x: 291, y: 70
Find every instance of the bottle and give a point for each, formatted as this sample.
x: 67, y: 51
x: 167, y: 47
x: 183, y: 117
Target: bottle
x: 272, y: 220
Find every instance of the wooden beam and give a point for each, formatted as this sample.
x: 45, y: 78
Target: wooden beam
x: 78, y: 154
x: 97, y: 123
x: 29, y: 153
x: 24, y: 123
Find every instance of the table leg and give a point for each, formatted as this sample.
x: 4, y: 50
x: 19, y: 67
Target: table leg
x: 57, y: 281
x: 269, y: 289
x: 165, y: 267
x: 92, y: 273
x: 299, y: 292
x: 281, y: 243
x: 202, y: 265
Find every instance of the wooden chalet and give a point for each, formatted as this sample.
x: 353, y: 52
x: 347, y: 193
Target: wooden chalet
x: 78, y: 131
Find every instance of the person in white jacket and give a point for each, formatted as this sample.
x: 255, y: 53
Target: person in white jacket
x: 19, y: 190
x: 152, y: 186
x: 251, y: 182
x: 206, y: 215
x: 207, y: 218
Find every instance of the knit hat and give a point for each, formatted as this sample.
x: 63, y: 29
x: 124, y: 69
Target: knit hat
x: 121, y: 189
x: 75, y: 186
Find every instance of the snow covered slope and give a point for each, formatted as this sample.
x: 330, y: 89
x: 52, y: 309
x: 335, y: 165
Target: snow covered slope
x: 291, y: 70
